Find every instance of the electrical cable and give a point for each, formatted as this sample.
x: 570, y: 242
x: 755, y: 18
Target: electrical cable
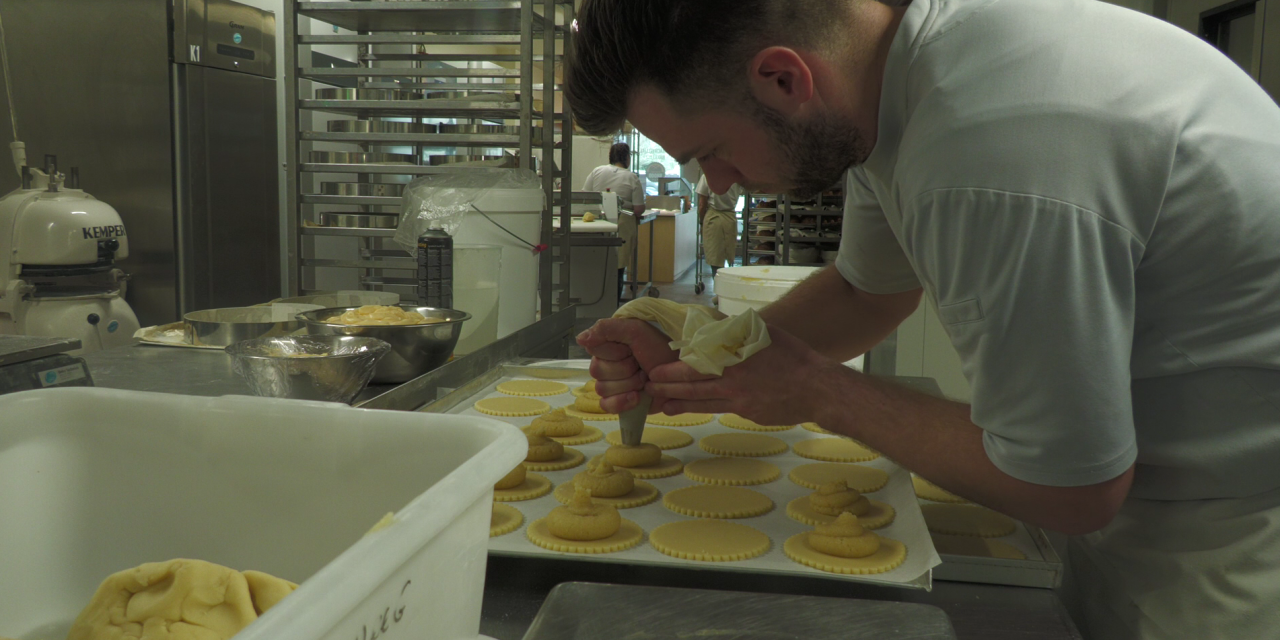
x: 8, y: 85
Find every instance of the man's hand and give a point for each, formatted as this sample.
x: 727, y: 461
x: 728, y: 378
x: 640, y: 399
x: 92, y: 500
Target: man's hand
x: 780, y: 385
x: 622, y: 350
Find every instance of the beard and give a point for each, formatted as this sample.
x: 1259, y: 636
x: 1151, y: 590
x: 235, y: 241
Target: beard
x: 817, y: 151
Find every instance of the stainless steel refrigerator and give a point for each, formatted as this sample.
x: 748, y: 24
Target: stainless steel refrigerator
x: 168, y: 109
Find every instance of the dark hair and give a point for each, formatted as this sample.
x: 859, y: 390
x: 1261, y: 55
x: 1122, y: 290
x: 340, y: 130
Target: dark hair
x: 689, y: 49
x: 620, y: 153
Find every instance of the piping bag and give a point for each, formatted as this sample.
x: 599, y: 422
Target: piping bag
x: 707, y: 340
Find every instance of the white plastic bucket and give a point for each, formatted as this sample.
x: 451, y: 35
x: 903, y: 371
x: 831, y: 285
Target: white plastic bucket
x: 520, y: 212
x: 477, y: 274
x: 95, y: 481
x: 742, y: 288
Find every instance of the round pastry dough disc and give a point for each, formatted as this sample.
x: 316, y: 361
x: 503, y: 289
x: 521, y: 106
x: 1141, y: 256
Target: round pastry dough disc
x: 505, y: 519
x: 668, y: 466
x: 859, y: 478
x: 588, y: 435
x: 629, y: 535
x: 590, y: 416
x: 834, y: 450
x: 813, y: 426
x: 533, y: 388
x: 880, y: 515
x: 966, y: 520
x: 555, y: 373
x: 752, y: 445
x: 713, y: 501
x: 980, y: 547
x: 732, y: 471
x: 890, y: 556
x: 930, y: 491
x: 735, y: 421
x: 657, y: 436
x: 709, y: 540
x: 682, y: 420
x: 642, y: 494
x: 534, y: 486
x: 570, y: 459
x: 512, y: 407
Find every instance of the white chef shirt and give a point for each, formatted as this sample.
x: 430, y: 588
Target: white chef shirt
x: 727, y: 201
x: 1090, y: 197
x: 623, y: 182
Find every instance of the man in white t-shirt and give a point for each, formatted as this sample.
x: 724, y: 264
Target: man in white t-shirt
x: 617, y: 178
x: 719, y: 223
x: 1089, y: 198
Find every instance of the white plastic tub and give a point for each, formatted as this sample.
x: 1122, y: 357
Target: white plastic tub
x: 742, y: 288
x: 93, y: 481
x: 520, y: 212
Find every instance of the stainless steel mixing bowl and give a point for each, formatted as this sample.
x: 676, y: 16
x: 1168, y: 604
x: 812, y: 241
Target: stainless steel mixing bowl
x: 329, y: 368
x: 225, y: 327
x: 415, y: 349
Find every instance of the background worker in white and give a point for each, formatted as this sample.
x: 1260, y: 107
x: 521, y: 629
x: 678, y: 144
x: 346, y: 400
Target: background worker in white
x: 1089, y: 197
x: 616, y: 177
x: 719, y: 223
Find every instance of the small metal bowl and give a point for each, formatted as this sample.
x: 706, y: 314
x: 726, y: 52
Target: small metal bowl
x: 225, y: 327
x: 328, y: 368
x: 415, y: 348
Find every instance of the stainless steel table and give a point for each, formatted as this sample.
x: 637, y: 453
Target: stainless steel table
x: 516, y: 587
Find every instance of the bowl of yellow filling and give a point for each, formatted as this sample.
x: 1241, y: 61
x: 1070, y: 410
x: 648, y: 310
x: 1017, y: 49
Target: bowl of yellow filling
x: 421, y: 338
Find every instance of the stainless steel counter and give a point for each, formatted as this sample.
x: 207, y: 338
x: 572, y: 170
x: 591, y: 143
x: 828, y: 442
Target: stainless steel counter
x: 516, y: 588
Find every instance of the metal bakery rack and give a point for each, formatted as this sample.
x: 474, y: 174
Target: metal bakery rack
x: 435, y: 87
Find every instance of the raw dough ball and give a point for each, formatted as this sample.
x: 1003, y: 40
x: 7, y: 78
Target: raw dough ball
x: 835, y: 498
x: 512, y: 407
x: 658, y: 436
x: 735, y: 421
x: 504, y: 520
x: 845, y: 538
x: 641, y: 455
x: 583, y: 520
x: 966, y: 520
x: 533, y: 387
x: 603, y: 480
x: 542, y: 448
x: 588, y: 402
x: 513, y: 479
x: 588, y: 217
x: 178, y: 599
x: 558, y: 424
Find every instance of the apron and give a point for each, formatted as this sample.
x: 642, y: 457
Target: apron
x: 719, y: 237
x: 627, y: 231
x: 1203, y: 569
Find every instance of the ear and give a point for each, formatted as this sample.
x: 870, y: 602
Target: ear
x: 780, y: 79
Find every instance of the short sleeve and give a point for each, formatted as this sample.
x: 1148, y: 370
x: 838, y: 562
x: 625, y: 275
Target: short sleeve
x: 637, y: 193
x: 703, y: 189
x: 590, y: 183
x: 870, y: 257
x: 1038, y: 297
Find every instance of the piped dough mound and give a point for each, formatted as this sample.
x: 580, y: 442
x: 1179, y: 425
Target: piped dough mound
x: 845, y: 538
x: 513, y: 479
x: 582, y: 519
x: 542, y: 448
x: 604, y: 480
x: 558, y: 424
x: 835, y: 498
x: 641, y: 455
x: 588, y: 402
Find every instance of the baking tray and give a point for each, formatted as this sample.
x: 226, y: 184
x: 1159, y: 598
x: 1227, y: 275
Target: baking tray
x: 1042, y: 569
x: 378, y: 126
x: 908, y: 526
x: 586, y: 611
x: 375, y: 189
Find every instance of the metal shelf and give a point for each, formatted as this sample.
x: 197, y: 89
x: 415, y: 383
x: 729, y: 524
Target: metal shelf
x: 431, y: 139
x: 399, y: 264
x: 410, y: 38
x: 455, y: 15
x: 321, y: 73
x: 346, y: 232
x: 359, y: 201
x: 391, y: 169
x: 417, y: 108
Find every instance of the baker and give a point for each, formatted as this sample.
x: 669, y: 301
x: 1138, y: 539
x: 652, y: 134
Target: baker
x: 719, y: 223
x: 1090, y: 199
x: 617, y: 178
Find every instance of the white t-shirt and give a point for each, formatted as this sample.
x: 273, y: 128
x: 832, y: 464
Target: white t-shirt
x: 623, y: 182
x: 727, y: 201
x: 1091, y: 199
